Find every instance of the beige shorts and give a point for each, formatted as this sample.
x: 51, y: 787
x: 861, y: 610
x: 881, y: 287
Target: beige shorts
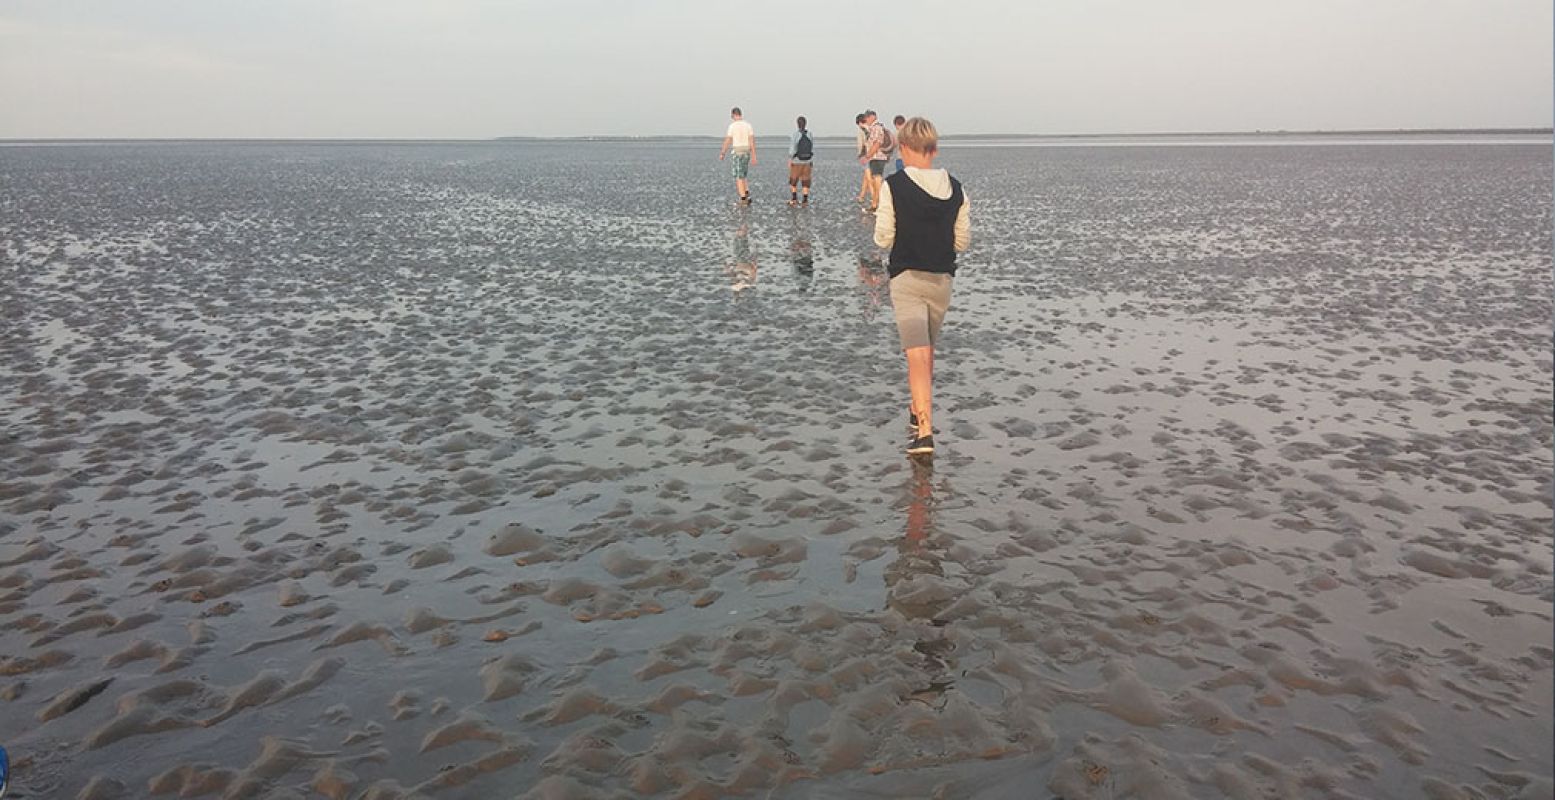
x: 920, y: 300
x: 799, y: 173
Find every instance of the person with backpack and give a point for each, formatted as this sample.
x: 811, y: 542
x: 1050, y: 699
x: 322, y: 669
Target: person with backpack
x: 924, y: 220
x: 880, y: 145
x: 862, y: 145
x: 801, y: 149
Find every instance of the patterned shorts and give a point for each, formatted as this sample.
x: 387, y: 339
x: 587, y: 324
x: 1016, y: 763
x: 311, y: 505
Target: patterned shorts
x: 740, y: 164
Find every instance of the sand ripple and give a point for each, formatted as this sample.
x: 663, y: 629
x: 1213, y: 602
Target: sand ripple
x: 383, y: 472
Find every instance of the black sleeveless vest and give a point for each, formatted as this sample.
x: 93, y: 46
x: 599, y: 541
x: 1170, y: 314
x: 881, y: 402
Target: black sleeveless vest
x: 925, y: 227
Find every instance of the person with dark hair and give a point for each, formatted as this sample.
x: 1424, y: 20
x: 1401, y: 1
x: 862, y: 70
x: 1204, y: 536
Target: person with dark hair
x: 741, y: 140
x: 801, y: 149
x: 861, y: 141
x: 924, y: 219
x: 897, y: 125
x: 877, y: 151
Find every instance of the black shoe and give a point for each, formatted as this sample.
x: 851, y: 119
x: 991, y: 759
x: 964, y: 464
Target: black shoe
x: 912, y: 421
x: 920, y: 445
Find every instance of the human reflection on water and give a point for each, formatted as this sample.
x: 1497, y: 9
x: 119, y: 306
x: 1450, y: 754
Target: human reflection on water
x: 742, y: 269
x: 874, y: 282
x: 915, y: 586
x: 801, y: 250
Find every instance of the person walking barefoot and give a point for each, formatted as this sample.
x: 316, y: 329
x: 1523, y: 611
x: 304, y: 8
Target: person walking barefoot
x: 879, y: 145
x: 740, y: 143
x: 861, y: 141
x: 924, y: 218
x: 801, y: 149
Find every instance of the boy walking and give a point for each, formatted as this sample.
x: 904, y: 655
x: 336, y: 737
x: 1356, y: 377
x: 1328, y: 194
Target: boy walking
x: 801, y: 149
x: 741, y: 140
x: 924, y: 219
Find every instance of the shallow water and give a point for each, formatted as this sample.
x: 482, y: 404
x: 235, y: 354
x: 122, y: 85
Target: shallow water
x: 539, y: 469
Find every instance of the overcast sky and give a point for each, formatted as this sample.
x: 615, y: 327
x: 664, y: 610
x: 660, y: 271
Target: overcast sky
x: 482, y: 68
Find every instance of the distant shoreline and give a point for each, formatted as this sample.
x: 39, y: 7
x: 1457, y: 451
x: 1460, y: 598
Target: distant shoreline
x: 972, y: 137
x: 949, y: 137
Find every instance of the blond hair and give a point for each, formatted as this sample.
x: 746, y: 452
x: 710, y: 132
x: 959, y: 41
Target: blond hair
x: 919, y: 134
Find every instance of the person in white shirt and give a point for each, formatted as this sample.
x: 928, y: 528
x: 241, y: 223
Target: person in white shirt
x: 740, y: 144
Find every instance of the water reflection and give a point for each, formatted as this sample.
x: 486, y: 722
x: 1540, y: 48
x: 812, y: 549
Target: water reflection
x: 919, y: 551
x: 916, y: 589
x: 741, y: 269
x: 873, y: 281
x: 801, y: 250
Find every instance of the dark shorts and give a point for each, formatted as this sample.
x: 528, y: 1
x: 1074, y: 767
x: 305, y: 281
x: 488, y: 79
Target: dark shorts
x: 877, y: 166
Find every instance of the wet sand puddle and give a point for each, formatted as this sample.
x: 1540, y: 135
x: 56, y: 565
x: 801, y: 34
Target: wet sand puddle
x: 462, y: 471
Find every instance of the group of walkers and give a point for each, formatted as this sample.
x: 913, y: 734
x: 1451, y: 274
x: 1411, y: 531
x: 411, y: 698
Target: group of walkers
x: 877, y: 151
x: 922, y: 216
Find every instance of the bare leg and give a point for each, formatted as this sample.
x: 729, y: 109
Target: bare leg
x: 863, y: 187
x: 739, y: 183
x: 874, y: 191
x: 920, y: 382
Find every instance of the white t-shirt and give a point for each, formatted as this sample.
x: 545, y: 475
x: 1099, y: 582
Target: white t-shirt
x: 740, y: 135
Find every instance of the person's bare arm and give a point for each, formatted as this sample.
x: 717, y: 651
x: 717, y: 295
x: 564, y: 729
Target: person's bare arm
x: 725, y: 148
x: 753, y: 148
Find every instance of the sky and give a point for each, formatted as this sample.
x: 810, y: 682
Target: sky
x: 485, y: 68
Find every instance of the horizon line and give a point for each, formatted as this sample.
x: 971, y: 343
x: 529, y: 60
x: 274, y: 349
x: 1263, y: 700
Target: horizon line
x: 1113, y: 135
x: 683, y: 137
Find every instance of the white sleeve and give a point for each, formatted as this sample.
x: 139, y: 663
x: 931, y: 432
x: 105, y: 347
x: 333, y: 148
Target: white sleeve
x: 963, y: 223
x: 885, y: 217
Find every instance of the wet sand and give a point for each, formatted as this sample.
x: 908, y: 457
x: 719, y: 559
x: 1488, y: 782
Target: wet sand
x: 539, y: 470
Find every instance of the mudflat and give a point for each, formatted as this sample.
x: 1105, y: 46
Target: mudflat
x: 538, y: 469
